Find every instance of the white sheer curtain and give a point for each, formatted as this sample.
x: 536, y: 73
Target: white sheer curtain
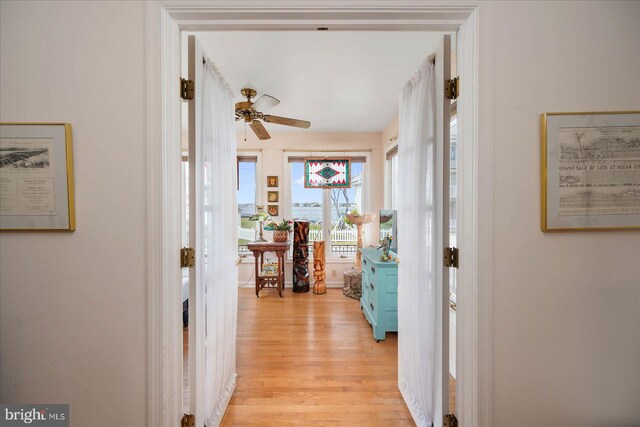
x: 417, y: 320
x: 220, y: 240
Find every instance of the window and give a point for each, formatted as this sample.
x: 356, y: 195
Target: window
x: 246, y: 200
x: 329, y: 207
x: 392, y: 178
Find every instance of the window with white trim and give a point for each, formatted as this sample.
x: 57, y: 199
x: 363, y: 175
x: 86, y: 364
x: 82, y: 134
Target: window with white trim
x: 326, y: 209
x: 392, y: 178
x: 246, y: 200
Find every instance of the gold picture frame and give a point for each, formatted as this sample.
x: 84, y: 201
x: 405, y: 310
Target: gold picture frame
x: 272, y: 197
x: 272, y: 210
x: 589, y: 172
x: 36, y: 166
x: 272, y: 181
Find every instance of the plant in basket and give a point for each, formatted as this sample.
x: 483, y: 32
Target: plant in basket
x: 280, y: 230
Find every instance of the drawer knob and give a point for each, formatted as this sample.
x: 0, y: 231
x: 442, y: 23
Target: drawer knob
x: 371, y: 286
x: 371, y: 305
x: 373, y: 270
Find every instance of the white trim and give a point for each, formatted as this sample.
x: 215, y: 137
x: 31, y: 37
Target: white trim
x: 163, y: 213
x: 388, y: 203
x: 163, y: 21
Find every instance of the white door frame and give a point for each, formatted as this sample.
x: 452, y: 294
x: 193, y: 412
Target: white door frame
x: 164, y: 20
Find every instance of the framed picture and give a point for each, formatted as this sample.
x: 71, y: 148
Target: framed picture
x: 590, y: 171
x: 272, y: 196
x: 273, y: 210
x: 272, y: 181
x: 36, y: 177
x: 327, y: 172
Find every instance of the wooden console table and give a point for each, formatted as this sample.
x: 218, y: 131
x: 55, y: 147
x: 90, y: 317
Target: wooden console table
x: 269, y: 281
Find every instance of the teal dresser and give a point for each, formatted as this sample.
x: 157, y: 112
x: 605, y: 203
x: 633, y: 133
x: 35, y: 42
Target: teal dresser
x: 379, y: 300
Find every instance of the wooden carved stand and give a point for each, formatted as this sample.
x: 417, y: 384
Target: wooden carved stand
x: 301, y: 256
x: 319, y: 287
x: 353, y: 276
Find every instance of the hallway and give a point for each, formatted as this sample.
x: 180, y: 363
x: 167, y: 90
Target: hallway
x: 310, y: 360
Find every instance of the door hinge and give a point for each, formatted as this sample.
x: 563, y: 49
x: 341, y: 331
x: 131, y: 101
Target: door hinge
x: 187, y: 89
x: 452, y: 88
x: 451, y: 257
x: 450, y: 420
x: 187, y: 257
x: 188, y: 420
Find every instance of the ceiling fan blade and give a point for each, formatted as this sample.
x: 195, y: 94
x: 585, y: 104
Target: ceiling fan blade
x: 287, y: 121
x: 264, y: 103
x: 259, y: 130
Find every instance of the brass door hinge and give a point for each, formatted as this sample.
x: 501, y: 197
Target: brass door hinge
x: 452, y: 88
x: 187, y: 258
x: 450, y: 420
x: 187, y: 89
x: 451, y: 257
x: 188, y: 420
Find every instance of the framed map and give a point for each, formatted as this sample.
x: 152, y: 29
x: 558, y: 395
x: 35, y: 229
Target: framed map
x: 590, y: 171
x: 327, y: 172
x: 36, y: 177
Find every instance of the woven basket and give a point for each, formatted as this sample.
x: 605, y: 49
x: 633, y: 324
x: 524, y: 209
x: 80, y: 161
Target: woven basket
x: 280, y: 235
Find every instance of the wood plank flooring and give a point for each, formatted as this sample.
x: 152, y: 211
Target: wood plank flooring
x: 311, y: 360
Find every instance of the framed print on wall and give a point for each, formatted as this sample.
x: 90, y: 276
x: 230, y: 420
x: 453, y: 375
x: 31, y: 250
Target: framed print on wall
x: 272, y: 196
x: 590, y: 171
x: 36, y: 177
x: 327, y: 172
x: 272, y: 181
x: 273, y: 210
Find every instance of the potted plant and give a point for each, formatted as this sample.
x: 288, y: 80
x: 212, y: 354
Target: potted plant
x: 280, y: 230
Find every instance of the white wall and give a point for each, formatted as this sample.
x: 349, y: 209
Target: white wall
x: 72, y: 305
x: 272, y: 159
x: 566, y: 307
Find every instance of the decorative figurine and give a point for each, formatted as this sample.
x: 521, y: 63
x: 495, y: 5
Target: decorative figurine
x: 319, y: 287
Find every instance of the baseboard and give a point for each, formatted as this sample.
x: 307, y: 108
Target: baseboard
x: 289, y: 285
x: 419, y: 417
x: 224, y: 402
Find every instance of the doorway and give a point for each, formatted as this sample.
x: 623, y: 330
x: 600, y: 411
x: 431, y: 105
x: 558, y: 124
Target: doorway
x: 170, y: 30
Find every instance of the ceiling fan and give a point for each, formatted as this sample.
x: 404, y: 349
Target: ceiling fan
x: 251, y: 113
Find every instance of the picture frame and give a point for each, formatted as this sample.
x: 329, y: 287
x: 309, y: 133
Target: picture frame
x: 327, y: 172
x: 590, y: 171
x: 272, y: 210
x: 36, y: 177
x: 272, y: 181
x: 272, y: 196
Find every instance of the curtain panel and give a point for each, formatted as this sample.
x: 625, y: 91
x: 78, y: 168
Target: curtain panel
x: 417, y: 320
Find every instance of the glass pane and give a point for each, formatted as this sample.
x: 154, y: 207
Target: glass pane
x: 306, y: 203
x: 344, y: 235
x: 246, y: 197
x: 394, y: 182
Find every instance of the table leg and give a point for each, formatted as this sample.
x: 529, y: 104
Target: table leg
x: 280, y: 273
x: 255, y: 256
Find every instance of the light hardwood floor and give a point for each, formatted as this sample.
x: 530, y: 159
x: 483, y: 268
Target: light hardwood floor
x: 311, y: 360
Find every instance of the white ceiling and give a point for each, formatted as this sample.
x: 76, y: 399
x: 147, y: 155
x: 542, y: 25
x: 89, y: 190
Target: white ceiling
x: 340, y: 81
